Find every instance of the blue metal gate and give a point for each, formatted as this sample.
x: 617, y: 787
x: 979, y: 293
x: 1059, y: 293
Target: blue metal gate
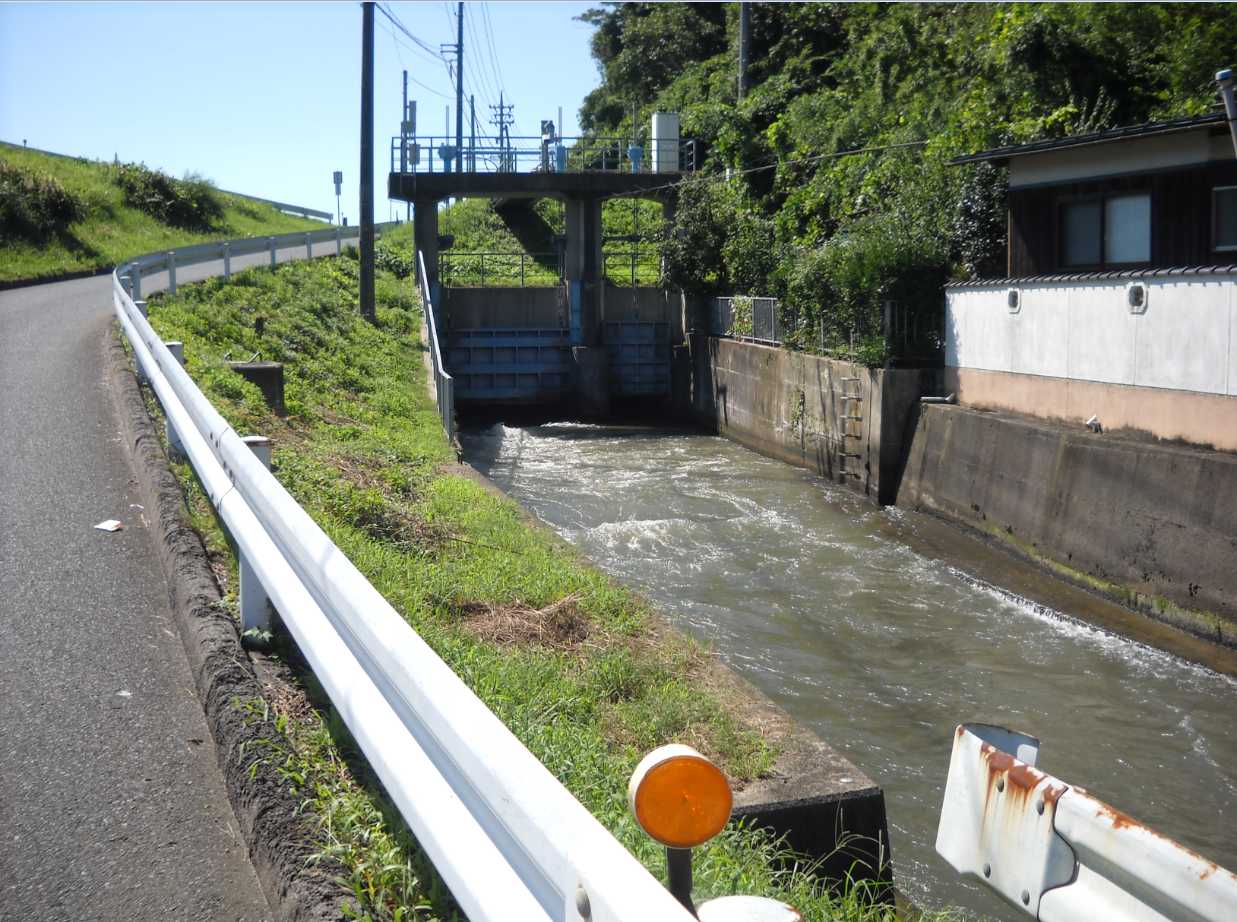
x: 639, y: 357
x: 512, y: 365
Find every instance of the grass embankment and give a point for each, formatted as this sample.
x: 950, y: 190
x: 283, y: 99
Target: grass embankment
x: 628, y: 226
x: 574, y: 664
x: 94, y: 224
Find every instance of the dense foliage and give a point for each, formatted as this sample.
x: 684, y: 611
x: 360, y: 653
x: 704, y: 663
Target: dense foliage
x: 33, y: 205
x: 191, y: 203
x: 910, y: 86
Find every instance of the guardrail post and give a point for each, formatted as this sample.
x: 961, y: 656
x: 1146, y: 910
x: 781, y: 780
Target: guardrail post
x: 141, y: 374
x: 227, y: 259
x: 126, y: 284
x: 172, y: 271
x: 272, y: 240
x: 135, y: 280
x: 255, y: 604
x: 309, y: 246
x: 176, y: 448
x: 339, y: 242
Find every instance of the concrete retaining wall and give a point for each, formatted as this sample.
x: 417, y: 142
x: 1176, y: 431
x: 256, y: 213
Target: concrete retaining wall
x: 1152, y: 525
x: 791, y: 406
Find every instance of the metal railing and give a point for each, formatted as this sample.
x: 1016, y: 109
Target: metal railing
x: 438, y: 154
x: 508, y: 839
x: 479, y: 269
x: 754, y: 319
x: 444, y: 384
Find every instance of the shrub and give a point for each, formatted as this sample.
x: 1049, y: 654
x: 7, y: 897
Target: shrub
x: 34, y: 206
x: 395, y: 256
x: 190, y: 203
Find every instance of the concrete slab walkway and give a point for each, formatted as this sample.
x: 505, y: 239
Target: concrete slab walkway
x: 112, y: 805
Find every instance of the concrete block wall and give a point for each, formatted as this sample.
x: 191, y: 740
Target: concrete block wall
x: 1073, y: 349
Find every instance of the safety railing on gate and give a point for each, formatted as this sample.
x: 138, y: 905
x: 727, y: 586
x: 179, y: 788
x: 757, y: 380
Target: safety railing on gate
x: 505, y: 835
x: 444, y: 384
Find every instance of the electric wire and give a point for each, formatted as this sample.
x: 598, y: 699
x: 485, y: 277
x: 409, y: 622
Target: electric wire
x: 773, y: 165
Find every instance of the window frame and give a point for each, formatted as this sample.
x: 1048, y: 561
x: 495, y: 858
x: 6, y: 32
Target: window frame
x: 1215, y: 221
x: 1102, y: 198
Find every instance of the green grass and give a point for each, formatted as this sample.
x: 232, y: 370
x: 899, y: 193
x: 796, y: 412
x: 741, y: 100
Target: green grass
x: 111, y: 231
x: 572, y: 662
x: 478, y: 228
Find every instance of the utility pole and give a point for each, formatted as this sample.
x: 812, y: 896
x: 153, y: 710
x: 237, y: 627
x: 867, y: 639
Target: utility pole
x: 472, y: 139
x: 745, y: 45
x: 367, y: 161
x: 403, y: 138
x: 459, y: 89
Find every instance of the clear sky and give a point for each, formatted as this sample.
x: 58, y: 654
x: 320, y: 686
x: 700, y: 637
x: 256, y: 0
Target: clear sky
x: 264, y: 98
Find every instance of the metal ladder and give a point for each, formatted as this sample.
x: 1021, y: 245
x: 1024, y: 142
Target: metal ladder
x: 852, y: 428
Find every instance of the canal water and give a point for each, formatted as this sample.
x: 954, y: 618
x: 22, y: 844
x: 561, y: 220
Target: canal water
x: 880, y: 650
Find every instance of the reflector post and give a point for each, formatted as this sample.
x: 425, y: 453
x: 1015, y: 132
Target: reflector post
x: 679, y: 797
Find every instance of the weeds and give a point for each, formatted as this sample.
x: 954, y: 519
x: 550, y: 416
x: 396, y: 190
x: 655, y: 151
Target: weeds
x: 34, y: 206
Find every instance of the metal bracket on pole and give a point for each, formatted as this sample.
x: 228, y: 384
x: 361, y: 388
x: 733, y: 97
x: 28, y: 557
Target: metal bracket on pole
x: 255, y: 604
x: 172, y: 271
x: 272, y: 239
x: 176, y: 448
x: 227, y: 259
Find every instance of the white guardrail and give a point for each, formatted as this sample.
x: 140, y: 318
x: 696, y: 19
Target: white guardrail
x: 1059, y: 854
x: 507, y: 838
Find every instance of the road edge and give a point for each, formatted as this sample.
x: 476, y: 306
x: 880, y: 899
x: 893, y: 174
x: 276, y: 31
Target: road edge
x: 276, y: 831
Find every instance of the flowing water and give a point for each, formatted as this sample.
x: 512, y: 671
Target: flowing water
x: 880, y: 650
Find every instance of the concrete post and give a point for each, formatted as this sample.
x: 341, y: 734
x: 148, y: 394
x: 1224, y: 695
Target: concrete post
x: 583, y: 265
x: 425, y: 237
x: 272, y: 240
x: 172, y: 271
x: 176, y: 448
x: 227, y: 259
x: 255, y: 604
x: 309, y: 246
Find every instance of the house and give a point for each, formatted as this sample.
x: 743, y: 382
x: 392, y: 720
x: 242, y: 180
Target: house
x: 1121, y: 296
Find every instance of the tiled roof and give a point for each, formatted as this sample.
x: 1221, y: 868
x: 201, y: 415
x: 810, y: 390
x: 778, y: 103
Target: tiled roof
x: 1176, y: 271
x: 1099, y: 137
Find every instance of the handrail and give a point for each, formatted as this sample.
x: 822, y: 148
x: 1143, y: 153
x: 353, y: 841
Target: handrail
x: 508, y: 839
x: 444, y: 384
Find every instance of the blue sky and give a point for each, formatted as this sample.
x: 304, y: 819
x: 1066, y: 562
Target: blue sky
x: 264, y: 98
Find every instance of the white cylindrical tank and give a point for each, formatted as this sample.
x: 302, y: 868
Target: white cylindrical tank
x: 665, y: 142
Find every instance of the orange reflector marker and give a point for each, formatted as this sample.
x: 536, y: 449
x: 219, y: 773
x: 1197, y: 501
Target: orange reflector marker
x: 679, y: 797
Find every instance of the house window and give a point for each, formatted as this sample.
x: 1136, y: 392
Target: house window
x: 1224, y: 220
x: 1106, y: 231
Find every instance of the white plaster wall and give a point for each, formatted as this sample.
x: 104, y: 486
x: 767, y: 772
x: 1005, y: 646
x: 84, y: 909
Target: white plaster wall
x: 1185, y: 340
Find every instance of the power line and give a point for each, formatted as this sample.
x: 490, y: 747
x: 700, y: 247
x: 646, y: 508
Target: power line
x: 770, y: 166
x: 385, y: 9
x: 489, y: 35
x: 423, y: 86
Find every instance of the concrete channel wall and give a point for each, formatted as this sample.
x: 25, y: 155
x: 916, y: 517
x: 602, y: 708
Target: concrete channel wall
x: 843, y: 421
x: 1152, y: 524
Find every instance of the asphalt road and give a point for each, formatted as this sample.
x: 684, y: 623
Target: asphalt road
x: 112, y: 805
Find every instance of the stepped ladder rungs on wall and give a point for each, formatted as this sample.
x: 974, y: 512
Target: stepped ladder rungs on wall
x: 852, y: 405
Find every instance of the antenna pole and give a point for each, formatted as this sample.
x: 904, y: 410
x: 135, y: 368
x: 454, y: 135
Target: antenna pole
x: 367, y: 162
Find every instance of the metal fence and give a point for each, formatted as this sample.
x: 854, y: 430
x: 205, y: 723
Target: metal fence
x: 479, y: 269
x: 438, y: 154
x: 912, y: 335
x: 508, y: 839
x: 757, y: 320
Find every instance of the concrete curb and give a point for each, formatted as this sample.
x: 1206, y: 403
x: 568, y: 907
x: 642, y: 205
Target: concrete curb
x: 276, y: 832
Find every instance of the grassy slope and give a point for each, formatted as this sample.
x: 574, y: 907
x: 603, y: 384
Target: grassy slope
x: 363, y: 451
x: 113, y: 232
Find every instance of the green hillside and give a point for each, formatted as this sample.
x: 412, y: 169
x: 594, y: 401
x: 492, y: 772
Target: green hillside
x: 833, y: 233
x: 63, y: 215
